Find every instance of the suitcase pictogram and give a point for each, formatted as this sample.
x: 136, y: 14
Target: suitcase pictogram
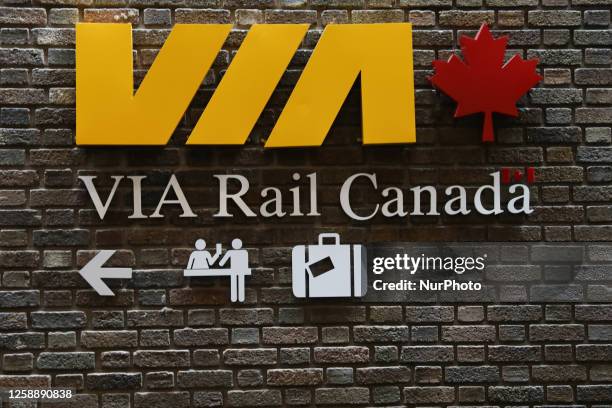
x: 329, y: 270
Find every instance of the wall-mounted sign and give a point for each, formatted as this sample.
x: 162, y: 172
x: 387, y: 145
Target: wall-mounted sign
x: 110, y: 113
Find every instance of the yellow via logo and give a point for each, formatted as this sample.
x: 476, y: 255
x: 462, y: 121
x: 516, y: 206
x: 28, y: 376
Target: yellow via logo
x: 110, y: 113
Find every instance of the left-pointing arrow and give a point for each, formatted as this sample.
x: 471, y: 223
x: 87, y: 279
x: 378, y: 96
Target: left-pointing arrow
x: 93, y: 272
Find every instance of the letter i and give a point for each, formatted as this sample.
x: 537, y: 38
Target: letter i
x: 295, y: 191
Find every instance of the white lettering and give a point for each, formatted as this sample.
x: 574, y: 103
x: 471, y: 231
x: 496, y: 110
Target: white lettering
x: 95, y: 197
x: 345, y: 192
x: 236, y: 197
x: 181, y: 200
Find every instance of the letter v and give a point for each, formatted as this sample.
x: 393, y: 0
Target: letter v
x: 108, y: 111
x: 95, y: 197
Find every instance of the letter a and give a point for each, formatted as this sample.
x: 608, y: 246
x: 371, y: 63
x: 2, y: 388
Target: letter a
x: 382, y: 54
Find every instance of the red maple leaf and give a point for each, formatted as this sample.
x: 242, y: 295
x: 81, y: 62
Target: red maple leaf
x: 483, y: 83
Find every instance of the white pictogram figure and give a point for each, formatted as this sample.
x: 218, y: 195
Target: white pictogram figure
x: 201, y: 259
x: 239, y: 266
x: 201, y: 263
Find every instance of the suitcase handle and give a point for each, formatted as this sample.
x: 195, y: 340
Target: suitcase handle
x: 333, y: 235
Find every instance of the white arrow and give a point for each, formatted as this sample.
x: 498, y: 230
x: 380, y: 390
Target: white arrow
x: 93, y: 272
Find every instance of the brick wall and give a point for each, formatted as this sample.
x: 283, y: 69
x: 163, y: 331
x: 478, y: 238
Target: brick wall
x: 167, y: 341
